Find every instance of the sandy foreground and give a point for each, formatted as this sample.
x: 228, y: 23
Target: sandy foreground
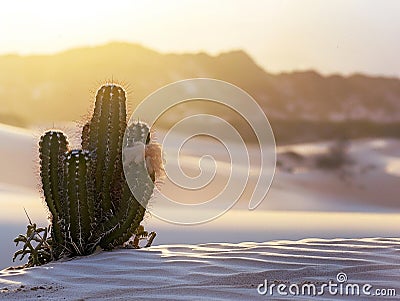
x: 216, y: 272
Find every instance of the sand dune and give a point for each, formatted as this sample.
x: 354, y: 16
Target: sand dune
x: 17, y: 159
x: 369, y: 182
x: 215, y: 271
x: 300, y: 185
x: 376, y: 164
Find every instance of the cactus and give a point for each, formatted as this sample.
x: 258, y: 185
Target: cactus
x: 85, y: 190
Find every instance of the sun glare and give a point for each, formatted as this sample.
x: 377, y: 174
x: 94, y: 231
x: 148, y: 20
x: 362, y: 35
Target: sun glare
x: 47, y: 26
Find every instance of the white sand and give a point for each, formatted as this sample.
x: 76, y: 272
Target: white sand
x: 377, y: 164
x: 369, y: 182
x: 16, y: 157
x: 210, y: 271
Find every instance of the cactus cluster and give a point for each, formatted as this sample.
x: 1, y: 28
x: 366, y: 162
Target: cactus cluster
x: 85, y: 189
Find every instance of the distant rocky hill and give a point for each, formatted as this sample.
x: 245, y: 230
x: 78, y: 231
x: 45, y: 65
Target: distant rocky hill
x: 53, y: 88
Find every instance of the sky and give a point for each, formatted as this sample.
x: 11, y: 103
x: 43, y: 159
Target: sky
x: 330, y: 36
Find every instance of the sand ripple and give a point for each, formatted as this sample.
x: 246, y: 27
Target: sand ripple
x: 215, y: 271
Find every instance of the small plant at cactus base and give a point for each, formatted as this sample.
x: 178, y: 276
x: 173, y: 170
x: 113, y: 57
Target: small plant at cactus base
x: 90, y: 203
x: 36, y: 244
x: 141, y: 234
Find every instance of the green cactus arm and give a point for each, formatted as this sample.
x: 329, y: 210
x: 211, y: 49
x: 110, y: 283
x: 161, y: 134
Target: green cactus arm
x: 143, y: 188
x: 131, y: 212
x: 135, y: 171
x: 52, y: 147
x: 79, y: 196
x: 122, y: 225
x: 105, y: 133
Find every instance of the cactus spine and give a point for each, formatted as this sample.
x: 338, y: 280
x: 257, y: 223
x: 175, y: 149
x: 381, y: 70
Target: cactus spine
x: 85, y: 190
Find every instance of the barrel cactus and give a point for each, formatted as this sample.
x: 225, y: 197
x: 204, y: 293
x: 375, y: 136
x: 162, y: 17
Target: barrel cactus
x: 87, y: 195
